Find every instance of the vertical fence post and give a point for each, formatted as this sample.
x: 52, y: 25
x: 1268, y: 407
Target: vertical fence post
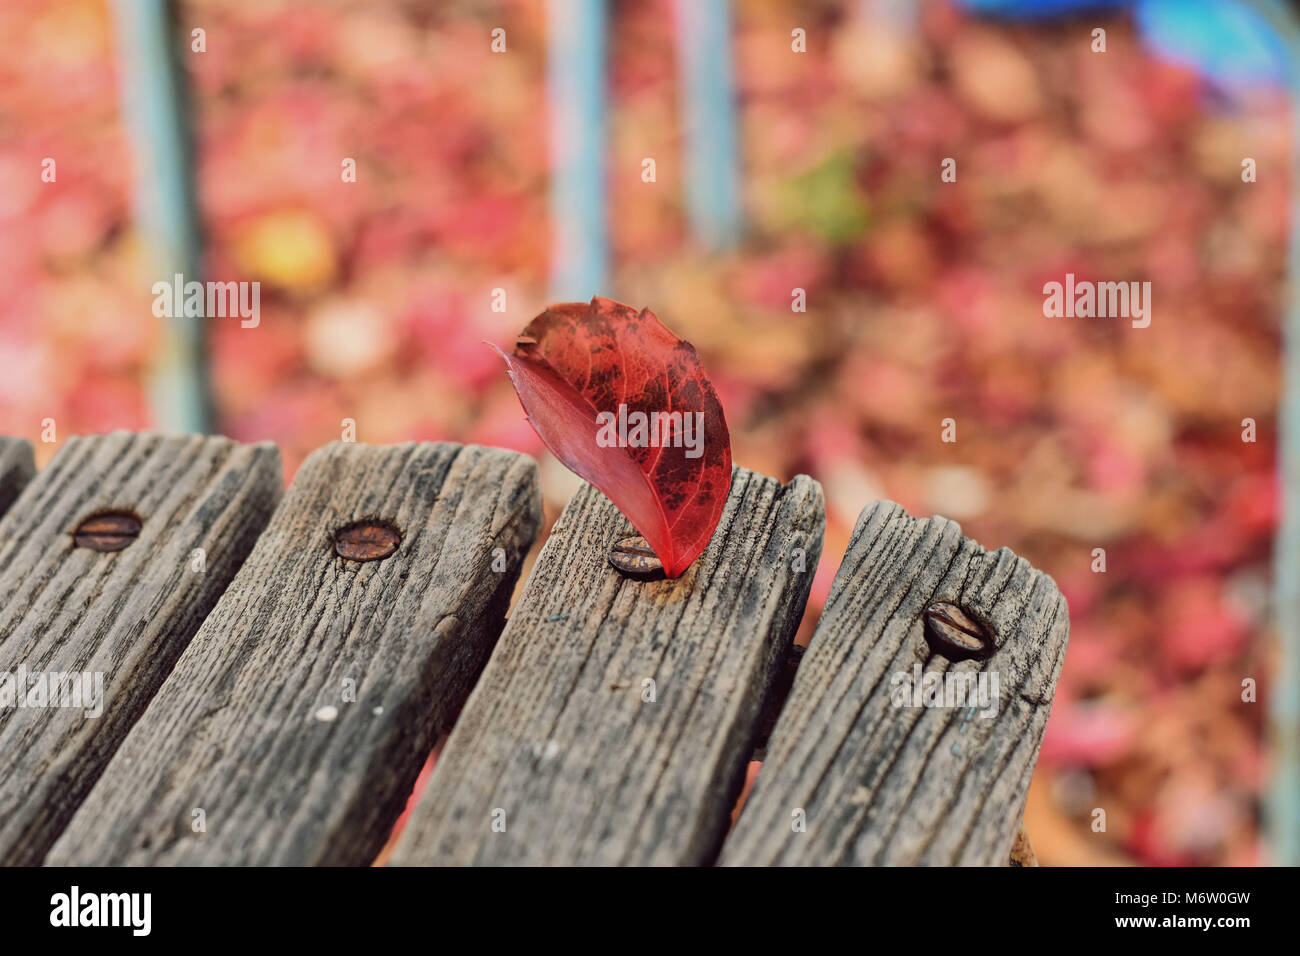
x: 1283, y: 818
x: 708, y: 103
x: 576, y: 67
x: 1283, y: 812
x: 154, y: 104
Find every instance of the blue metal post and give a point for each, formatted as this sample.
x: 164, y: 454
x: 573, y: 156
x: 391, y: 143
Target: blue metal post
x: 1283, y: 818
x: 709, y: 107
x: 580, y: 257
x: 154, y: 103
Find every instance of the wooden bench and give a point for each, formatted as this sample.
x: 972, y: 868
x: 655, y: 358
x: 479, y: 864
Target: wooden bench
x: 277, y: 666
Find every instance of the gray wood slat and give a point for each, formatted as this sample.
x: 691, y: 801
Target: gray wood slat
x: 879, y: 783
x: 559, y: 740
x: 256, y: 727
x: 126, y: 615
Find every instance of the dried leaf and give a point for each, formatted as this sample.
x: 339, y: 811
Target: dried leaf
x: 625, y: 403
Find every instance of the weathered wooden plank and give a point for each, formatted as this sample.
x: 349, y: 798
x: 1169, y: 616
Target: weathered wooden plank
x: 123, y: 615
x: 301, y: 713
x: 873, y: 781
x: 562, y: 740
x: 17, y: 466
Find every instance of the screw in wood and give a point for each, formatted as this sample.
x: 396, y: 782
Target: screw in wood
x: 369, y: 540
x: 953, y: 633
x: 106, y: 531
x: 635, y: 558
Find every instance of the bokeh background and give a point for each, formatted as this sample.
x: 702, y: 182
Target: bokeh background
x: 924, y: 300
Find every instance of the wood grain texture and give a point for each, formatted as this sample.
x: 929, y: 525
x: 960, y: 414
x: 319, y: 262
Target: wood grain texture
x: 559, y: 736
x: 255, y: 728
x: 126, y: 615
x: 885, y: 784
x: 17, y: 466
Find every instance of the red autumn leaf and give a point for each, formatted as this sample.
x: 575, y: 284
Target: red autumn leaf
x: 625, y: 403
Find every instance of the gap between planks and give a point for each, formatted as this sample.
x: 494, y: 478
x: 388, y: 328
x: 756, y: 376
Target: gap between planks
x: 17, y: 467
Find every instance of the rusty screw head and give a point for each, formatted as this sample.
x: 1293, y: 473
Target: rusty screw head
x: 366, y: 540
x: 635, y: 558
x: 107, y: 531
x: 954, y: 633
